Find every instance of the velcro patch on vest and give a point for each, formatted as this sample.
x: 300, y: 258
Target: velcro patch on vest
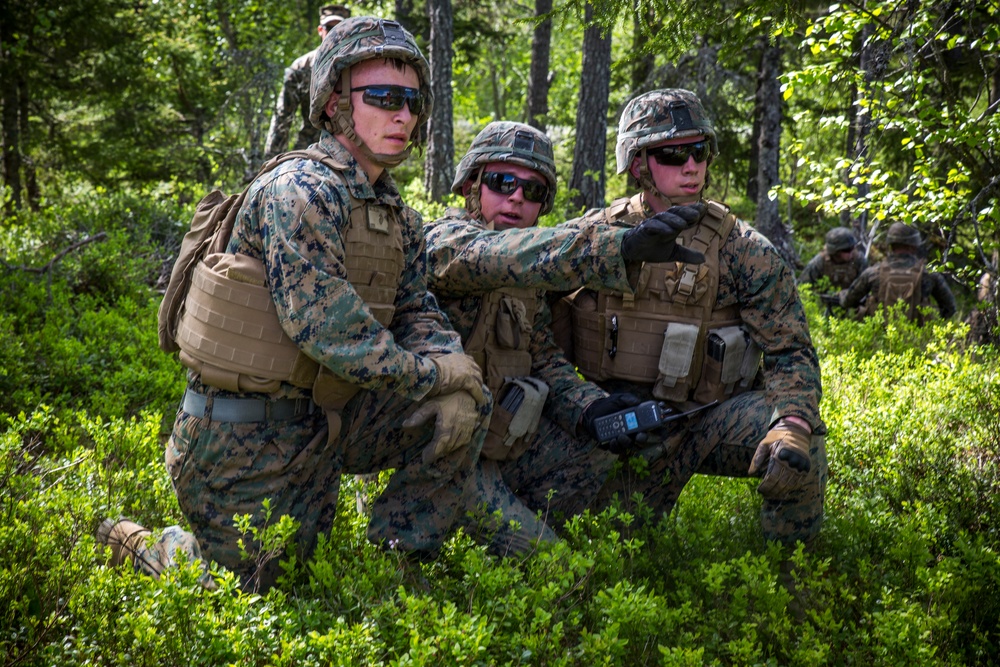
x: 378, y: 219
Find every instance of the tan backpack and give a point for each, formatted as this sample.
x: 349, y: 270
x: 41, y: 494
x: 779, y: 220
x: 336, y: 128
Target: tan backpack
x: 211, y: 227
x: 901, y: 284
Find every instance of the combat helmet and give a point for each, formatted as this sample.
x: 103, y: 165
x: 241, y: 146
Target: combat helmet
x: 902, y: 234
x: 351, y: 41
x: 514, y: 143
x: 840, y: 238
x: 654, y: 117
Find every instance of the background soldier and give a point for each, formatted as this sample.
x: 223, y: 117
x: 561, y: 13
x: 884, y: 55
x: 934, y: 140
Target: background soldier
x: 294, y: 97
x: 838, y: 262
x: 901, y: 276
x: 488, y: 266
x: 378, y: 382
x: 694, y: 334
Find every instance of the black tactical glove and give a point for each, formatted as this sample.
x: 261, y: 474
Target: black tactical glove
x: 606, y: 406
x: 655, y: 239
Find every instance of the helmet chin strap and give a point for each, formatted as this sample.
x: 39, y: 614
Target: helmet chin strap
x: 343, y: 123
x: 473, y: 204
x: 646, y: 182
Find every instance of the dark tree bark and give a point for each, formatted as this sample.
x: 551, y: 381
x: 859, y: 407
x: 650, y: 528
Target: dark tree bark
x: 592, y: 117
x: 10, y: 99
x: 538, y: 75
x: 404, y: 13
x: 769, y: 112
x: 439, y: 170
x: 645, y: 61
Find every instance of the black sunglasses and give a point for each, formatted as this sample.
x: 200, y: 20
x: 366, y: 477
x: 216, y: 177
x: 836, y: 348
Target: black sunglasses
x: 506, y: 184
x: 392, y: 98
x: 677, y: 156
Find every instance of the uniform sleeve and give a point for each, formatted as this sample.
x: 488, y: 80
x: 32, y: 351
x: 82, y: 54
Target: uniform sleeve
x: 569, y: 394
x: 301, y: 214
x: 812, y: 272
x: 285, y: 108
x: 419, y: 323
x: 773, y: 316
x: 859, y: 289
x: 465, y: 257
x: 943, y: 296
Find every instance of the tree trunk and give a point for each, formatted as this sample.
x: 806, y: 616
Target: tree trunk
x: 538, y: 75
x: 769, y: 112
x: 591, y: 117
x: 404, y: 14
x: 10, y: 98
x: 439, y: 170
x: 643, y: 24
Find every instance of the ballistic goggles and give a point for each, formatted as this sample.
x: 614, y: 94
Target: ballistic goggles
x: 677, y: 156
x: 392, y: 98
x: 506, y: 184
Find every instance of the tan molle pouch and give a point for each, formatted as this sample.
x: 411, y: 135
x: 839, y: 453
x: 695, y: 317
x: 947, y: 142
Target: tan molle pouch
x: 516, y: 415
x: 676, y: 355
x: 512, y: 326
x: 724, y: 351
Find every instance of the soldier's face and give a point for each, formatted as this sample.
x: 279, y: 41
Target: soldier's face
x: 682, y: 184
x: 382, y: 130
x: 512, y: 210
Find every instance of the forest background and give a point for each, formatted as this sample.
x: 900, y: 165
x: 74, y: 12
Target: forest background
x: 118, y: 116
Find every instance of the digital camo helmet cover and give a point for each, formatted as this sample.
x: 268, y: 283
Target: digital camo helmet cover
x: 513, y: 143
x: 840, y: 238
x: 659, y: 115
x: 903, y: 234
x: 351, y: 41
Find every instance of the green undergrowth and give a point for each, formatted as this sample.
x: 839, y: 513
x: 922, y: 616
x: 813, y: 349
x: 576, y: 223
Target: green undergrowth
x: 905, y: 572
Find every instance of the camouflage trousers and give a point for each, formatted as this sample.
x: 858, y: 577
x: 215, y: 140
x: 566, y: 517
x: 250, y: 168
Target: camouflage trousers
x: 722, y: 442
x: 223, y: 469
x: 558, y: 476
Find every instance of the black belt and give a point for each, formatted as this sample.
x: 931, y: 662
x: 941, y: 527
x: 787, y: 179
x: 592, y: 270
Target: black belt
x: 244, y: 409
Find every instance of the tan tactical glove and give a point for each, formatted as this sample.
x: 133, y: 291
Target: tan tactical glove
x: 783, y: 459
x: 455, y: 417
x: 458, y: 372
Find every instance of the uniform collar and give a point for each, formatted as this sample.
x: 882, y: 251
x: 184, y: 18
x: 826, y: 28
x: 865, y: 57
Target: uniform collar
x: 384, y: 190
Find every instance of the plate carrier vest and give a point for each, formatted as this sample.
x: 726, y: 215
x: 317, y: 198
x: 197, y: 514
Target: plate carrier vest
x: 499, y: 343
x: 669, y: 333
x: 897, y: 284
x: 840, y: 275
x: 228, y: 330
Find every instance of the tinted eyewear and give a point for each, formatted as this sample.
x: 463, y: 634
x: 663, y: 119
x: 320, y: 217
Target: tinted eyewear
x: 677, y: 156
x: 506, y: 184
x: 392, y: 98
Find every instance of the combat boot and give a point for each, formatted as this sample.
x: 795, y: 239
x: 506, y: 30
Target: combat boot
x: 124, y: 538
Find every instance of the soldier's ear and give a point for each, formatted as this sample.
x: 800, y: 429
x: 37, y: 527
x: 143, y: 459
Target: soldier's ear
x: 466, y: 188
x: 634, y: 167
x: 331, y: 104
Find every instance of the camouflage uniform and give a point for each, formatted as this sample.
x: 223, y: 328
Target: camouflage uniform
x: 295, y: 221
x: 755, y: 282
x: 467, y: 260
x: 294, y: 97
x: 292, y: 102
x: 840, y: 275
x: 932, y: 285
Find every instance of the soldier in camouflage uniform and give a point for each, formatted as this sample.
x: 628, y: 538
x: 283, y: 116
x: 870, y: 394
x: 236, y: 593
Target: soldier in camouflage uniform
x: 694, y: 334
x: 343, y: 261
x: 838, y: 261
x: 904, y: 266
x: 489, y: 267
x: 294, y: 97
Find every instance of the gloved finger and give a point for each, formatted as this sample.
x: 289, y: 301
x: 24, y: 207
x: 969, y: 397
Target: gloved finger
x: 421, y: 415
x: 667, y: 224
x: 760, y: 458
x: 686, y: 255
x: 794, y: 459
x: 625, y: 400
x: 475, y: 389
x: 690, y: 213
x: 640, y: 438
x: 780, y: 481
